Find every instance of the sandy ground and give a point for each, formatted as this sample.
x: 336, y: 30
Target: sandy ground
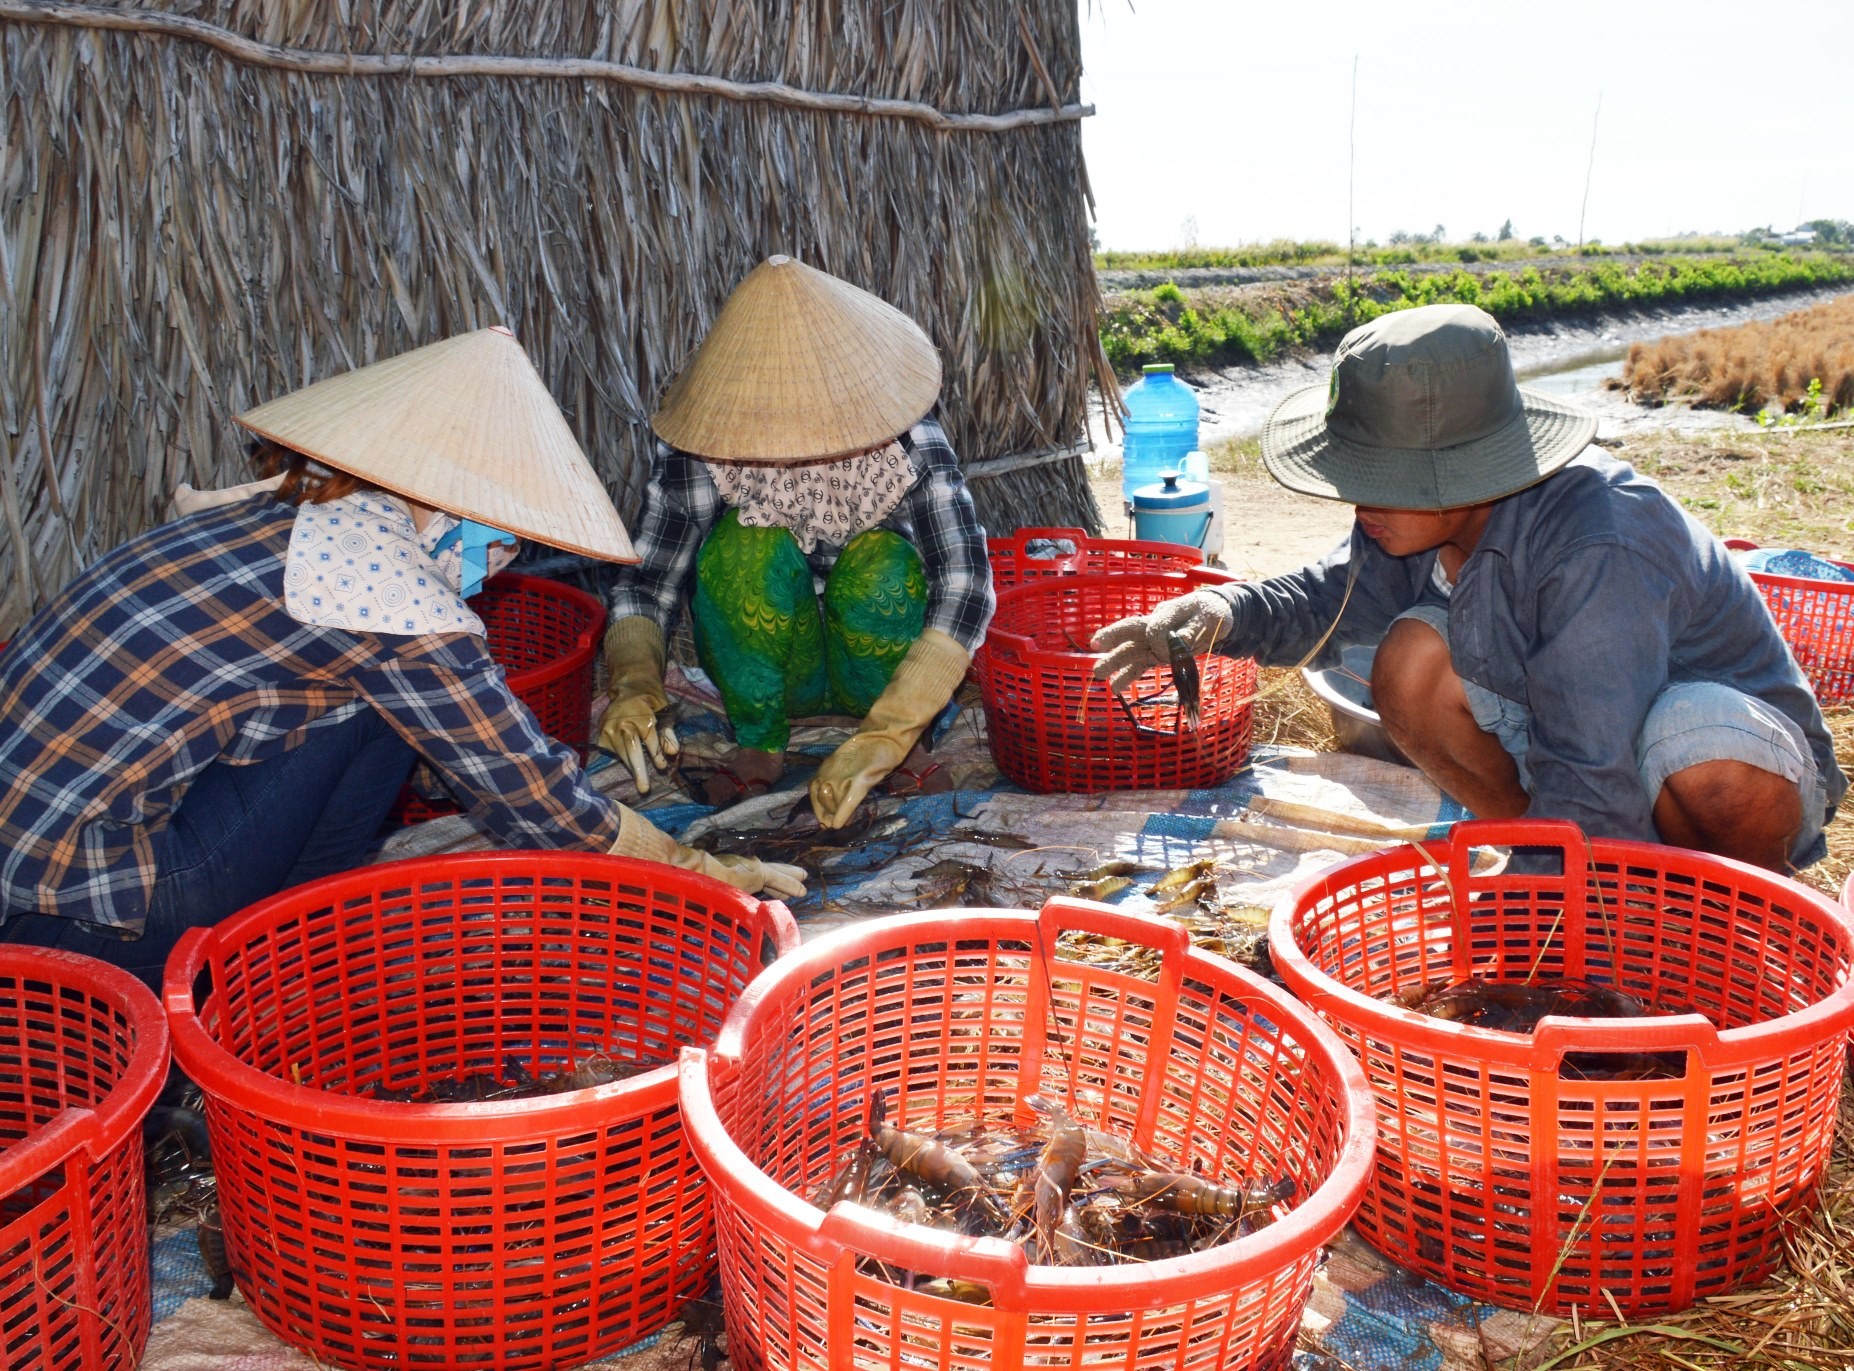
x: 1266, y: 529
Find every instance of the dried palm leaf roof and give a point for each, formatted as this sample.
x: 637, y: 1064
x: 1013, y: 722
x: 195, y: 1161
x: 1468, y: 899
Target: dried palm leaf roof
x: 201, y: 211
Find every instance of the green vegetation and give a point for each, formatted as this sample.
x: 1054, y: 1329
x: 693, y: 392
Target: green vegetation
x: 1405, y: 249
x: 1165, y: 325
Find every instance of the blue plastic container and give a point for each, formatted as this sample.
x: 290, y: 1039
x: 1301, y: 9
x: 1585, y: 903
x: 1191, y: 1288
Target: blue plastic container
x: 1161, y: 428
x: 1172, y: 510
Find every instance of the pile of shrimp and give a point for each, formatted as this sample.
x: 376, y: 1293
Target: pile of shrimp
x: 1072, y: 1196
x: 1517, y: 1007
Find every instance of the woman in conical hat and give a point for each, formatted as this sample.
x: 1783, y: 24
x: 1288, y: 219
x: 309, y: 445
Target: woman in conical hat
x: 228, y: 704
x: 797, y: 450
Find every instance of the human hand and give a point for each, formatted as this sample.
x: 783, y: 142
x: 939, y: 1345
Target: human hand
x: 756, y: 877
x: 1133, y: 645
x: 629, y: 729
x: 850, y: 773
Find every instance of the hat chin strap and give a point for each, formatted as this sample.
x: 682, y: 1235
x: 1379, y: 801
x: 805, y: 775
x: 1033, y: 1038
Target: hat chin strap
x: 474, y: 541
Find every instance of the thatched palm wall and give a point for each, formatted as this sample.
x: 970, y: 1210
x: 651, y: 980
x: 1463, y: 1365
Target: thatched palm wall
x: 188, y: 229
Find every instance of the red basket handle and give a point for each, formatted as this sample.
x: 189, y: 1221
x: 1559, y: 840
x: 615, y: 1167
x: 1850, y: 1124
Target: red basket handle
x: 1000, y: 1266
x: 1558, y: 1034
x: 1063, y: 913
x: 781, y: 927
x: 1573, y: 849
x: 1019, y: 543
x: 45, y: 1147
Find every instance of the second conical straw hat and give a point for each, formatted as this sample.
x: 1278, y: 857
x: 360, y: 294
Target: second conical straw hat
x: 466, y: 426
x: 800, y: 365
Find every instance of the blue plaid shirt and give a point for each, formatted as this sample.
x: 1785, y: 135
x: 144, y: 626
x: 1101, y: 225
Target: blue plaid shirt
x: 681, y: 504
x: 174, y: 652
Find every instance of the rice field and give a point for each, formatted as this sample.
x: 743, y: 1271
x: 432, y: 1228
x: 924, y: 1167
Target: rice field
x: 1799, y: 365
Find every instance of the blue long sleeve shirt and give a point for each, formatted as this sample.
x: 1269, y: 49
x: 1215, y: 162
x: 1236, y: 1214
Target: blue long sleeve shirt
x: 1587, y: 594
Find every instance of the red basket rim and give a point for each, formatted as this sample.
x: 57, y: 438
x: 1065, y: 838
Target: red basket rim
x: 585, y: 643
x: 1019, y: 541
x: 1777, y: 578
x: 102, y: 1128
x: 1186, y: 579
x: 1716, y: 1049
x: 1003, y: 1266
x: 223, y: 1076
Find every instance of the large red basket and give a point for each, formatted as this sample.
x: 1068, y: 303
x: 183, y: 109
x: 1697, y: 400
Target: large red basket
x: 545, y: 635
x: 1053, y: 727
x: 1072, y: 552
x: 1816, y: 618
x: 533, y: 1233
x: 1507, y: 1178
x: 83, y: 1053
x: 961, y: 1015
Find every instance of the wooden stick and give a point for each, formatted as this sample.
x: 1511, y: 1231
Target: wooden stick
x: 319, y: 63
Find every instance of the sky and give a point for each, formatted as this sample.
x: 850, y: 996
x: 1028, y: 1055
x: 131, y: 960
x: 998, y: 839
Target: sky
x: 1222, y: 122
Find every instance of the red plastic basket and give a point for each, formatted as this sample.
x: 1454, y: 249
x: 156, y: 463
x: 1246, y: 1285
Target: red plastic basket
x: 83, y: 1052
x: 962, y: 1015
x: 533, y: 1233
x: 1816, y: 618
x: 1053, y: 727
x: 1505, y: 1177
x: 546, y: 636
x: 1012, y: 563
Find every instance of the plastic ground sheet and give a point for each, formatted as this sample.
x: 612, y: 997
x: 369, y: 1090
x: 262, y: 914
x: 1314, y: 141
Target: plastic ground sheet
x: 1286, y: 815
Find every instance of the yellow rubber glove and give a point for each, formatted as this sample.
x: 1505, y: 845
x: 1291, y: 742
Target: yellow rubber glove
x: 638, y: 837
x: 634, y: 657
x: 915, y: 694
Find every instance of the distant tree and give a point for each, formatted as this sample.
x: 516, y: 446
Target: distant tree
x: 1440, y: 235
x: 1506, y: 232
x: 1398, y: 238
x: 1478, y: 238
x: 1837, y: 231
x: 1538, y: 242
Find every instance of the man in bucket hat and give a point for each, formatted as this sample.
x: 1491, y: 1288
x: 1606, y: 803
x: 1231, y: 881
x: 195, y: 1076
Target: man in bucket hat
x: 1556, y: 637
x: 807, y: 504
x: 228, y: 704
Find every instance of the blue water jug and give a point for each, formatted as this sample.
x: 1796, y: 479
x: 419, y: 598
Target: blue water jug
x: 1161, y: 428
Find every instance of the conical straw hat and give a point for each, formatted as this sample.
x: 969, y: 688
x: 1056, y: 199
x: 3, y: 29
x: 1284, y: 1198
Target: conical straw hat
x: 798, y: 366
x: 466, y: 426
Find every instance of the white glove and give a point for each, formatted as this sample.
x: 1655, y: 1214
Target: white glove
x: 1202, y: 619
x: 638, y: 837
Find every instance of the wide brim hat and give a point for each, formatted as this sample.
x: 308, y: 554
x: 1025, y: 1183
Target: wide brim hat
x: 1422, y: 412
x: 465, y: 425
x: 800, y: 366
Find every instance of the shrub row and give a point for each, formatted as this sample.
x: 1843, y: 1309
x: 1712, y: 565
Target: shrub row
x: 1162, y: 325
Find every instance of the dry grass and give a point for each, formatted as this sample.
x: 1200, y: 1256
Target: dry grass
x: 187, y: 233
x: 1753, y: 366
x: 1801, y: 1319
x: 1288, y: 714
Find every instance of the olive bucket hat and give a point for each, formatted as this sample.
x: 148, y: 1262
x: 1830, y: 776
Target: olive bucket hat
x: 1421, y: 412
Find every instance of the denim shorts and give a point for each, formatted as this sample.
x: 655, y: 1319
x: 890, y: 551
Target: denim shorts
x: 1689, y: 723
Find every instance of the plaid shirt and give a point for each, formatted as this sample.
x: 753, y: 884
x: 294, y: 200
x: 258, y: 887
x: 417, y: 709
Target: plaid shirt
x: 174, y: 652
x: 681, y: 505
